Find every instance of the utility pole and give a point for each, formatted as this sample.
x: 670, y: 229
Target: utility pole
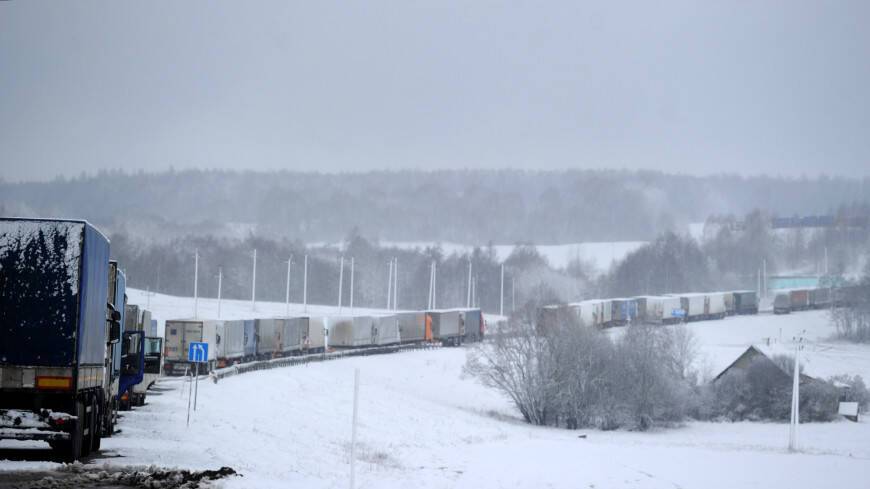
x: 759, y: 283
x: 287, y: 294
x: 501, y: 294
x: 390, y: 284
x: 468, y: 287
x: 513, y: 295
x: 351, y: 285
x: 254, y: 284
x: 826, y: 260
x: 396, y: 284
x: 795, y: 399
x: 434, y: 285
x: 431, y: 274
x: 305, y: 286
x: 220, y: 283
x: 340, y: 281
x: 195, y: 283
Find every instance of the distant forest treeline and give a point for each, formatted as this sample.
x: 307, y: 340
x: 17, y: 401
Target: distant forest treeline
x: 472, y: 207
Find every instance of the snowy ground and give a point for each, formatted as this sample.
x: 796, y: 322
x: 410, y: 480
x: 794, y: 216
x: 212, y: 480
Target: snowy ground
x: 424, y: 424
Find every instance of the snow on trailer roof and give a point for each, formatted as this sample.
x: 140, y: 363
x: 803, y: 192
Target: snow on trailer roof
x: 50, y: 219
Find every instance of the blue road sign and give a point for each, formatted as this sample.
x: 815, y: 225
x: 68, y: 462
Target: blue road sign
x: 197, y: 352
x: 678, y: 313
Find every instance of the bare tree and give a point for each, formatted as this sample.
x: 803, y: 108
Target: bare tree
x: 520, y: 363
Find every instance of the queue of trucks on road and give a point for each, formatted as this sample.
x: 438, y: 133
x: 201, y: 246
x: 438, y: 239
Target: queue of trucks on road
x: 238, y: 341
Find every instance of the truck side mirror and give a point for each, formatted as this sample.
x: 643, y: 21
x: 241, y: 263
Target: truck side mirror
x: 116, y: 316
x: 114, y: 331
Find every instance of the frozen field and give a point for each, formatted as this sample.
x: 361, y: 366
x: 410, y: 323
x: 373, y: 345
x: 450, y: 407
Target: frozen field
x: 424, y: 424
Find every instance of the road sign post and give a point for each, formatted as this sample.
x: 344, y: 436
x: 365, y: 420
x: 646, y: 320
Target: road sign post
x: 197, y: 352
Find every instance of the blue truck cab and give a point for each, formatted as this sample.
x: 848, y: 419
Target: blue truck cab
x: 132, y: 366
x: 117, y: 302
x: 57, y: 329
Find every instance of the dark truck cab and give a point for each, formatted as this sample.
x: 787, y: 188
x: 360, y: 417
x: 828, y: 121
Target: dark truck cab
x: 55, y: 326
x: 132, y: 366
x: 153, y: 365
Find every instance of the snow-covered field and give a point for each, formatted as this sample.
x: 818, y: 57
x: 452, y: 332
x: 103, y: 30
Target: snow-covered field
x: 424, y: 424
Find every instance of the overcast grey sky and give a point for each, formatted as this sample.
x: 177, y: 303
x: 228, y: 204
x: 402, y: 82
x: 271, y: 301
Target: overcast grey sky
x: 695, y: 87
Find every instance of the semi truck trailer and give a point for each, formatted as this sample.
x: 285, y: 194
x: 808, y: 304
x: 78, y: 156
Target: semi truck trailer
x: 57, y: 328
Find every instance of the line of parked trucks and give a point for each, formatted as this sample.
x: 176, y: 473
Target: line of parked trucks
x: 239, y: 341
x: 72, y: 351
x: 676, y: 308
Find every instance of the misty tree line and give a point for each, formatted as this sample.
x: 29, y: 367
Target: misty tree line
x: 734, y: 251
x: 506, y: 206
x: 169, y: 268
x: 730, y: 257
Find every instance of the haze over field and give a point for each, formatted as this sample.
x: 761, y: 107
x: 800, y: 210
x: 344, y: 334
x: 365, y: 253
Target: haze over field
x: 759, y: 87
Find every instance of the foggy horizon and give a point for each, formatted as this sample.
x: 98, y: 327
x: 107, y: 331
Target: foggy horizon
x: 762, y: 89
x: 92, y: 173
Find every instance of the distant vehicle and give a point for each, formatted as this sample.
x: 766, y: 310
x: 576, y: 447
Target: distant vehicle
x: 230, y: 341
x: 623, y: 311
x: 800, y: 299
x: 132, y: 366
x: 412, y: 326
x: 117, y: 301
x: 137, y: 319
x: 177, y: 338
x: 745, y: 302
x: 782, y: 303
x: 446, y: 326
x: 652, y: 309
x: 595, y: 313
x: 693, y: 305
x: 475, y: 325
x: 714, y: 305
x: 313, y: 329
x: 268, y: 333
x: 57, y: 328
x: 358, y: 331
x: 385, y: 330
x: 820, y: 298
x: 153, y: 366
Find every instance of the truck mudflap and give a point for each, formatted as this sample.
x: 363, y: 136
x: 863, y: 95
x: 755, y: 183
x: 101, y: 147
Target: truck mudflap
x: 44, y: 425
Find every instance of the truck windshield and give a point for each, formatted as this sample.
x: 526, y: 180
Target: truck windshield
x: 153, y: 346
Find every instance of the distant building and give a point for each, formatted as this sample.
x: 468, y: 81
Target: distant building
x: 754, y: 355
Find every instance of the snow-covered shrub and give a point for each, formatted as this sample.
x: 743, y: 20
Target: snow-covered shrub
x: 853, y: 389
x: 852, y: 317
x: 560, y: 373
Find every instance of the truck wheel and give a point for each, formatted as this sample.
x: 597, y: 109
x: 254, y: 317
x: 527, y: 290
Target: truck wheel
x: 97, y: 427
x: 71, y: 450
x: 109, y: 420
x: 88, y: 440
